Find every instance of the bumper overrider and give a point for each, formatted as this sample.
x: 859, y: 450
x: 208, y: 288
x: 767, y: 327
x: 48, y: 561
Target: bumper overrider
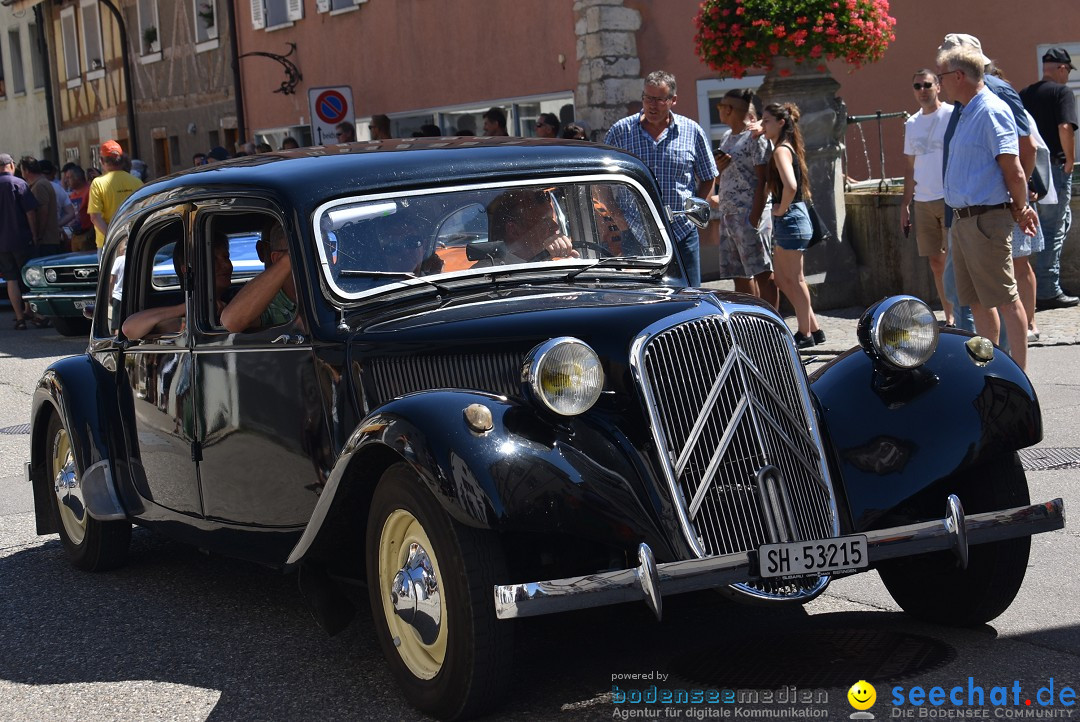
x: 651, y: 581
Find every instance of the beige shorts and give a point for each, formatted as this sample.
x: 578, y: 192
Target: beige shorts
x: 982, y: 259
x: 930, y: 227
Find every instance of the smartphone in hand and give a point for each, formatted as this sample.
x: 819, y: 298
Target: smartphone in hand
x: 907, y: 230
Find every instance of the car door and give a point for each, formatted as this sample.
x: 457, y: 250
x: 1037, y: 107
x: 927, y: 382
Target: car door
x: 258, y: 415
x: 158, y: 366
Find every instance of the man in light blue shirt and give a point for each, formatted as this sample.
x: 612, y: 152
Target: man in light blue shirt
x: 678, y: 152
x: 986, y: 187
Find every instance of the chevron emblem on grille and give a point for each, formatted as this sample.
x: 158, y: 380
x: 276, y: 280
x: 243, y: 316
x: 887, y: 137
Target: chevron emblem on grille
x: 740, y: 369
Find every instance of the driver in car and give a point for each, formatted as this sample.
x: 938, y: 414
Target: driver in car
x: 527, y: 222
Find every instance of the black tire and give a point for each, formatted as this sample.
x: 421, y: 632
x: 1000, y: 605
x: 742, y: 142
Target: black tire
x: 71, y: 325
x: 465, y: 671
x: 92, y: 545
x: 931, y: 587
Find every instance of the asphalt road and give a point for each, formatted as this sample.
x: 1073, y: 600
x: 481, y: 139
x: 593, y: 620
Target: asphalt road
x: 178, y: 635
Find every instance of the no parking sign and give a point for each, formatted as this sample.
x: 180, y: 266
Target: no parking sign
x: 329, y: 106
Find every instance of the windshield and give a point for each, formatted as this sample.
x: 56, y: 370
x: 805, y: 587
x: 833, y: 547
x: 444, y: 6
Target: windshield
x: 368, y: 244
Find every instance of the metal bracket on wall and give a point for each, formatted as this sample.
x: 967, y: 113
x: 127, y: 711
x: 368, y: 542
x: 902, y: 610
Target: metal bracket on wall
x: 292, y: 73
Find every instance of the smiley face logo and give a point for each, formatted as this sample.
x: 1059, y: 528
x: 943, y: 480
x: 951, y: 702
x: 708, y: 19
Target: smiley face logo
x: 862, y: 695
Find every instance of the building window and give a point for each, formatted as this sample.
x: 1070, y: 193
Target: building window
x: 37, y: 63
x: 282, y: 13
x: 149, y: 30
x: 3, y: 88
x: 18, y: 79
x: 206, y: 27
x: 336, y: 6
x: 72, y: 64
x: 93, y: 56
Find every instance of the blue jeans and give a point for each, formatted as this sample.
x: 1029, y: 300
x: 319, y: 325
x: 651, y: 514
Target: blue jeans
x: 962, y: 317
x: 689, y: 250
x: 1055, y: 221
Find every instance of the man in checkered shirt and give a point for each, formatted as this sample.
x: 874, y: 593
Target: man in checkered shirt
x: 678, y: 152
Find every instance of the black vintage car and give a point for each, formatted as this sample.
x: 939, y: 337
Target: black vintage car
x: 481, y: 387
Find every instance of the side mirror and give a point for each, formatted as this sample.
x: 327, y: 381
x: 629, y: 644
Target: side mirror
x: 696, y: 210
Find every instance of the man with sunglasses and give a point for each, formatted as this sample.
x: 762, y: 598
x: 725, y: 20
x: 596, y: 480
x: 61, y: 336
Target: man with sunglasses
x: 924, y: 145
x: 678, y: 152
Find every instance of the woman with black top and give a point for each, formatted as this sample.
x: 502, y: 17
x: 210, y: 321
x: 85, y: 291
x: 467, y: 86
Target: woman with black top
x: 789, y: 183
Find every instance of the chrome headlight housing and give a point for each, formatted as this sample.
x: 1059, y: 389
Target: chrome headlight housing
x: 564, y: 374
x: 33, y: 276
x: 902, y: 331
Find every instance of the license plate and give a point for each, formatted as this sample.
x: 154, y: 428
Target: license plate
x: 813, y: 557
x: 83, y: 304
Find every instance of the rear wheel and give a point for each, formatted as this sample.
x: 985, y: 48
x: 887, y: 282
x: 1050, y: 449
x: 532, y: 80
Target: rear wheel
x: 430, y: 583
x: 91, y: 545
x: 933, y: 588
x: 71, y: 326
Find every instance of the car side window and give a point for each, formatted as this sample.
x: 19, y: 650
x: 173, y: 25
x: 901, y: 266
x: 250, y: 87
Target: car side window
x: 259, y: 292
x: 154, y: 283
x: 230, y: 255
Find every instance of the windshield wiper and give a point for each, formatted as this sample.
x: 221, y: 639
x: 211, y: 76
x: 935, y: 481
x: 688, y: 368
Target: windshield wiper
x: 618, y: 262
x: 355, y: 273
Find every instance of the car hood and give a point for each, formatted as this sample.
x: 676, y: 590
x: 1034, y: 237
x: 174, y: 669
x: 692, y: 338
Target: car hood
x: 487, y: 336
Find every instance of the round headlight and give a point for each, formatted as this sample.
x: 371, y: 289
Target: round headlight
x: 32, y: 276
x: 903, y: 331
x: 565, y: 375
x: 50, y: 275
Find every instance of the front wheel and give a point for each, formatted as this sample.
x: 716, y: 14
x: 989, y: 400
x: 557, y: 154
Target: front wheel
x: 932, y: 587
x: 430, y: 584
x: 92, y: 545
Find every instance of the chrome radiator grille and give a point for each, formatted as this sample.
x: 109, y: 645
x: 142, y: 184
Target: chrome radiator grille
x: 728, y: 405
x: 494, y: 373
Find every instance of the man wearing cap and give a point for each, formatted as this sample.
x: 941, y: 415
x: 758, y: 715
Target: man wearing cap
x: 17, y: 216
x: 986, y: 187
x: 1053, y: 107
x: 109, y: 191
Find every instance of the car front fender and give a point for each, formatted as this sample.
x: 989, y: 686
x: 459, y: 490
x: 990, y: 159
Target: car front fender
x: 893, y: 435
x: 84, y: 396
x: 527, y: 473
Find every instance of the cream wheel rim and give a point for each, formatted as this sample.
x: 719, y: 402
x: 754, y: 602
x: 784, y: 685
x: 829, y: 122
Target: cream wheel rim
x: 68, y: 490
x: 401, y: 540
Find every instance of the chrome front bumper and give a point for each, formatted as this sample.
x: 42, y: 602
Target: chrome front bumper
x: 650, y: 581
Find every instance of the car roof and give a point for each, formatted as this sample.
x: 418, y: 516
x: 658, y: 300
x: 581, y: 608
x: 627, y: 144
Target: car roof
x: 308, y: 176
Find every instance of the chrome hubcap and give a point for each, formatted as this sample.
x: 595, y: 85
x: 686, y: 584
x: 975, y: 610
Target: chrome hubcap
x: 67, y: 489
x: 415, y: 596
x: 414, y: 603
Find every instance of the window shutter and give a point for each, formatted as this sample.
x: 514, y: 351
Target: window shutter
x: 258, y: 16
x: 322, y: 6
x: 296, y: 9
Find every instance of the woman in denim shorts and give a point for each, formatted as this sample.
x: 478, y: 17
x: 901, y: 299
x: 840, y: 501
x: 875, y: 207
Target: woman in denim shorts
x: 788, y: 181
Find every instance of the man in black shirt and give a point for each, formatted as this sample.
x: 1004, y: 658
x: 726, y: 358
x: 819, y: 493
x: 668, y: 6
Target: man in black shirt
x: 1053, y: 106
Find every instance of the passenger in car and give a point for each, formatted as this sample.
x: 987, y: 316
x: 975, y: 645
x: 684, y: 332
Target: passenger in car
x: 269, y: 299
x: 527, y: 223
x: 170, y: 319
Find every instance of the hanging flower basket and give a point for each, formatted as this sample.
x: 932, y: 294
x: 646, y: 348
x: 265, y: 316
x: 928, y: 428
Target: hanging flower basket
x: 734, y: 36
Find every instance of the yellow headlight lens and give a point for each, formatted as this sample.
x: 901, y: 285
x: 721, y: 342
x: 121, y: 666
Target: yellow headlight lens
x: 565, y: 375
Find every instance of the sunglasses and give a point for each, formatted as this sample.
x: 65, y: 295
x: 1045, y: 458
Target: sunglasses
x: 922, y: 86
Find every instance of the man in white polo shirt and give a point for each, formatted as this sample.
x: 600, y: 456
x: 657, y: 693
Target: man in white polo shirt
x: 924, y: 143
